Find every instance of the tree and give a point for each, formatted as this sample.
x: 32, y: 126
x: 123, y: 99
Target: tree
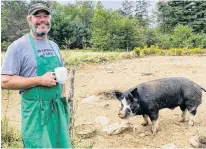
x: 141, y: 11
x: 100, y: 27
x: 127, y: 8
x: 173, y: 12
x: 85, y: 13
x: 14, y: 24
x: 181, y: 36
x: 71, y: 23
x: 128, y: 30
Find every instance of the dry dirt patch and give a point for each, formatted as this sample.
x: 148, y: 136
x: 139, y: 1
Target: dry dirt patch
x: 99, y: 81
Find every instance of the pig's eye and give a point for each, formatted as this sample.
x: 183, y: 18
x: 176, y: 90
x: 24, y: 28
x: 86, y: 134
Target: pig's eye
x: 130, y: 100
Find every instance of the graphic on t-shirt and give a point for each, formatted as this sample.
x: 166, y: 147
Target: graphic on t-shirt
x: 45, y: 52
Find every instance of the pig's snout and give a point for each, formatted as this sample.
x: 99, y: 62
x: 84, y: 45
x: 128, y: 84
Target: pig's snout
x: 121, y: 115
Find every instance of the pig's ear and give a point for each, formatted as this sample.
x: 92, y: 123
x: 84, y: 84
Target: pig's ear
x: 118, y: 94
x: 135, y: 108
x: 135, y: 93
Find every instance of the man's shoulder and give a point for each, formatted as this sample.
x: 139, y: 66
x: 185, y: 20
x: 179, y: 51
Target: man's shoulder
x: 20, y: 42
x: 18, y: 45
x: 54, y: 43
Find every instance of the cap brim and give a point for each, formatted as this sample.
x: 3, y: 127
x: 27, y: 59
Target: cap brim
x: 34, y: 11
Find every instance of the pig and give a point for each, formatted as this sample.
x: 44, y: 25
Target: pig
x: 148, y: 98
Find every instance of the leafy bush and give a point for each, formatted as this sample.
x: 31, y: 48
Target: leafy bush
x: 153, y: 50
x: 165, y: 41
x: 4, y: 45
x: 195, y: 51
x: 177, y: 51
x: 167, y: 53
x: 197, y: 41
x: 137, y: 50
x: 181, y: 35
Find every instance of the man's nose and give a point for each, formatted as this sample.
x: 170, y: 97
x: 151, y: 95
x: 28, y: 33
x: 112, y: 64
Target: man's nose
x: 42, y: 19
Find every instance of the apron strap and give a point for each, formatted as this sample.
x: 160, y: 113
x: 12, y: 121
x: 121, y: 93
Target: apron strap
x: 34, y: 47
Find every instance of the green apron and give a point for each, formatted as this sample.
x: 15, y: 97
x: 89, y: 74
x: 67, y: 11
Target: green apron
x: 45, y: 113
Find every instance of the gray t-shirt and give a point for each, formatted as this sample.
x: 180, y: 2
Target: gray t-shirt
x: 20, y: 59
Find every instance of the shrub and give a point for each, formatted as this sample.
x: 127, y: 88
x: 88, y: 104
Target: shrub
x: 181, y: 35
x: 167, y: 53
x: 4, y: 45
x: 177, y: 51
x: 195, y: 51
x: 165, y: 41
x: 137, y: 50
x: 153, y: 50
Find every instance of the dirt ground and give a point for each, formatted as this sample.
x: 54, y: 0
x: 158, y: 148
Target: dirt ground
x: 98, y: 82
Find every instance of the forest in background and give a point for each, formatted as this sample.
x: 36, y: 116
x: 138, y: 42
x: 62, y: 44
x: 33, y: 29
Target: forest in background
x: 88, y: 25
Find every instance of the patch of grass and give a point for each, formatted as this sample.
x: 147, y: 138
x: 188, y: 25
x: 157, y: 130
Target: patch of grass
x: 151, y: 51
x: 75, y: 58
x: 79, y: 57
x: 10, y: 136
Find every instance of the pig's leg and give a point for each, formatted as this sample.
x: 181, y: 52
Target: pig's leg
x: 146, y: 120
x: 155, y: 122
x: 184, y: 112
x: 192, y: 117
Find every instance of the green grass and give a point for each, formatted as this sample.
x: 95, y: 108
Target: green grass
x: 10, y: 136
x: 81, y: 57
x: 76, y: 58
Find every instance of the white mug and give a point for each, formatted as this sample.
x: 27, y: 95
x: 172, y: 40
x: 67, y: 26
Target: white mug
x: 61, y: 74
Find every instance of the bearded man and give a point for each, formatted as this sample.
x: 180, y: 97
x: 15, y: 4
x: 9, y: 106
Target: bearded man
x: 28, y: 66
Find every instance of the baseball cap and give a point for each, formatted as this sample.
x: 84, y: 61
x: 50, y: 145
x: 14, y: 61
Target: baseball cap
x: 36, y: 7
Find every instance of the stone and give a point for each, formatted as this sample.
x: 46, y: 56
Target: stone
x: 90, y: 99
x: 169, y: 146
x: 117, y: 128
x: 102, y: 120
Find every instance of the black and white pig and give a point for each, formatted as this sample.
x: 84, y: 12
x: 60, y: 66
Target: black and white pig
x: 148, y: 98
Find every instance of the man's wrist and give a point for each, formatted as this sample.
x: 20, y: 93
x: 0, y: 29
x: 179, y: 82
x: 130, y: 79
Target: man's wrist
x: 38, y: 80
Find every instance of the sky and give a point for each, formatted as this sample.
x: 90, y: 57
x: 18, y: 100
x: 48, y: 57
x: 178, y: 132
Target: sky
x: 110, y: 4
x: 116, y: 4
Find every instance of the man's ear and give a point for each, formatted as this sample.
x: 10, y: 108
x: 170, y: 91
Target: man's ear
x: 135, y: 93
x: 28, y: 19
x: 118, y: 94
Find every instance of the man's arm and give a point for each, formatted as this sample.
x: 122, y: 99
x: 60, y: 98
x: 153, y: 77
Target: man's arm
x: 17, y: 82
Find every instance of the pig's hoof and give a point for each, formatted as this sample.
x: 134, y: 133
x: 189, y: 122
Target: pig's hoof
x: 154, y: 131
x: 191, y: 123
x: 145, y: 124
x: 182, y: 120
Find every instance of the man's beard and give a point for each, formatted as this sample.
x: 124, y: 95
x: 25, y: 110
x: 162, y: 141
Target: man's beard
x: 38, y: 32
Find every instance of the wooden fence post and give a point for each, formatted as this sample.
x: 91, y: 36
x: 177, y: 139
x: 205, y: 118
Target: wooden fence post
x: 70, y: 100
